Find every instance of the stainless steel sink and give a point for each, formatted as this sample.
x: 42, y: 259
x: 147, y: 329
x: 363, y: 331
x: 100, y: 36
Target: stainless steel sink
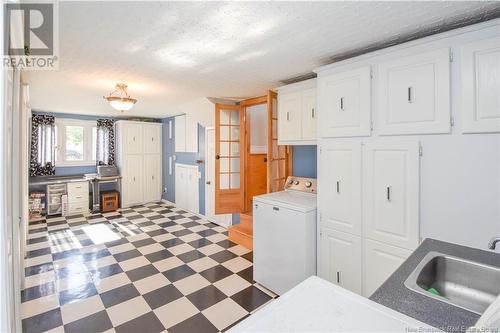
x: 470, y: 285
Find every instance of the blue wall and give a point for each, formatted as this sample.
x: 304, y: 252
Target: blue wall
x: 184, y: 158
x: 304, y: 161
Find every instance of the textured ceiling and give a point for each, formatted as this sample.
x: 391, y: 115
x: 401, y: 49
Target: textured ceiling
x: 171, y: 53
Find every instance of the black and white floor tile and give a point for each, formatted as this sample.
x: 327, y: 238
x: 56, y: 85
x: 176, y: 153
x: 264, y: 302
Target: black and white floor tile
x: 151, y: 268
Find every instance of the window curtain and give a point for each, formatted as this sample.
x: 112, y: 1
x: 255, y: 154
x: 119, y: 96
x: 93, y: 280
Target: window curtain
x: 105, y: 142
x: 43, y: 144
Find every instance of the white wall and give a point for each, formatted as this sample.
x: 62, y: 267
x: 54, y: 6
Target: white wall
x: 460, y: 173
x: 201, y: 110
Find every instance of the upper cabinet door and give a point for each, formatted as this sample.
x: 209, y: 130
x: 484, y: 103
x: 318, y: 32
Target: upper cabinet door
x: 340, y: 186
x: 391, y: 193
x: 309, y: 114
x: 414, y: 94
x: 151, y: 138
x: 289, y: 116
x: 480, y: 102
x: 132, y: 133
x: 344, y: 101
x: 180, y: 133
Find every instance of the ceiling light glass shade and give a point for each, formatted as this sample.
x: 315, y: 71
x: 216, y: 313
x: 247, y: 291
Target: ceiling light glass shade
x: 123, y: 102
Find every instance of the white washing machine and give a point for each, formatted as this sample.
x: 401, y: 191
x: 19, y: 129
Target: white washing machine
x: 284, y: 235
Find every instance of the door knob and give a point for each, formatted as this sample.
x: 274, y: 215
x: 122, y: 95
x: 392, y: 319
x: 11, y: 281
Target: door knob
x: 217, y: 157
x: 208, y: 182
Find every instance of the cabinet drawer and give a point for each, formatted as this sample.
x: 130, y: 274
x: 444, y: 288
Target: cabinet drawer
x: 78, y: 197
x: 79, y: 188
x: 78, y: 208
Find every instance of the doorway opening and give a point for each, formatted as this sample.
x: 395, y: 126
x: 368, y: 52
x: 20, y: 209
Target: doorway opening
x: 248, y: 160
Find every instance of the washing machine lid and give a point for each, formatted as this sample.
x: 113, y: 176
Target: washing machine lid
x: 295, y: 200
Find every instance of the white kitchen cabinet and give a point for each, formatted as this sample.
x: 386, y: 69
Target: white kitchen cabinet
x: 290, y: 116
x: 391, y: 193
x: 141, y: 165
x: 480, y: 86
x: 339, y: 202
x: 344, y: 103
x: 151, y: 139
x: 132, y: 138
x: 152, y: 177
x: 414, y: 94
x: 297, y: 113
x: 186, y: 134
x: 380, y: 261
x: 187, y: 187
x: 132, y: 186
x: 309, y: 113
x: 340, y: 259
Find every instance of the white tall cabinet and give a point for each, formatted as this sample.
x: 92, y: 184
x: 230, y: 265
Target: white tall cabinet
x: 138, y: 157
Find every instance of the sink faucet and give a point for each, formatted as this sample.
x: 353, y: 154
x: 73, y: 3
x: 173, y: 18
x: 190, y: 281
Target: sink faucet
x: 493, y: 243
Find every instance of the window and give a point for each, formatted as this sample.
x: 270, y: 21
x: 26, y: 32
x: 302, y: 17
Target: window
x: 76, y: 142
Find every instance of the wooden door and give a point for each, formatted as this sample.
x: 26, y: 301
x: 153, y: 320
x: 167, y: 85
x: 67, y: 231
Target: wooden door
x: 229, y: 163
x: 279, y: 157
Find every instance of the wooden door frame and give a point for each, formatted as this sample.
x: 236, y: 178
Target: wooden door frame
x: 261, y: 100
x: 236, y: 196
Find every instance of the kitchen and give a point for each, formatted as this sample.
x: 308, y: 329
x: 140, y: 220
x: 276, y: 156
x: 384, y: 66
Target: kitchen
x: 298, y: 197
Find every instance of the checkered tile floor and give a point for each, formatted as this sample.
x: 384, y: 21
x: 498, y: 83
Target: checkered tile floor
x: 148, y: 268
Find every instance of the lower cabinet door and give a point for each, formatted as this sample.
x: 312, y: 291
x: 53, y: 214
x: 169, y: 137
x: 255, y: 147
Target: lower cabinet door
x: 340, y: 259
x: 152, y: 178
x: 132, y: 184
x: 381, y: 260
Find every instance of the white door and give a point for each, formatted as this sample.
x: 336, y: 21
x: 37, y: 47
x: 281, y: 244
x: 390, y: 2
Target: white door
x: 391, y: 193
x: 133, y: 183
x: 345, y: 103
x: 309, y: 114
x: 289, y: 116
x: 339, y: 199
x: 210, y: 173
x: 340, y: 259
x: 414, y: 94
x: 480, y: 73
x: 380, y: 261
x: 132, y: 135
x: 152, y: 177
x: 151, y: 138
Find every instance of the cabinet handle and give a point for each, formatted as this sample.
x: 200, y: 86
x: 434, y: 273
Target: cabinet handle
x: 288, y: 116
x: 276, y: 208
x: 152, y: 139
x: 342, y: 103
x: 312, y: 113
x: 133, y: 138
x: 153, y: 177
x: 410, y: 97
x: 338, y: 277
x: 388, y: 193
x: 338, y: 186
x: 134, y: 179
x: 208, y: 182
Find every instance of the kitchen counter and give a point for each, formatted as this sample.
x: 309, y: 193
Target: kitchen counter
x: 316, y: 305
x: 395, y: 295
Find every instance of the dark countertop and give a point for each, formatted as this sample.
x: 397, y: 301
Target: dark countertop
x: 444, y: 316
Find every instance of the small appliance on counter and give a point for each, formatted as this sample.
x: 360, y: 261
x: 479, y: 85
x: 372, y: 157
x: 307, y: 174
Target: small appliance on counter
x: 284, y: 235
x: 106, y: 171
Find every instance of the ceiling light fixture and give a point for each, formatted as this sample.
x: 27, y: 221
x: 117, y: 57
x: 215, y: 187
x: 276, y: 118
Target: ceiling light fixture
x: 122, y: 101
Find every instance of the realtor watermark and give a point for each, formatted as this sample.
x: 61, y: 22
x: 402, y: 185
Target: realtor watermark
x: 31, y: 35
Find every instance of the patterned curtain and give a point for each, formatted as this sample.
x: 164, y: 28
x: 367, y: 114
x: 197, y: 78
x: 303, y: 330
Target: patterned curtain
x: 43, y: 144
x: 105, y: 142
